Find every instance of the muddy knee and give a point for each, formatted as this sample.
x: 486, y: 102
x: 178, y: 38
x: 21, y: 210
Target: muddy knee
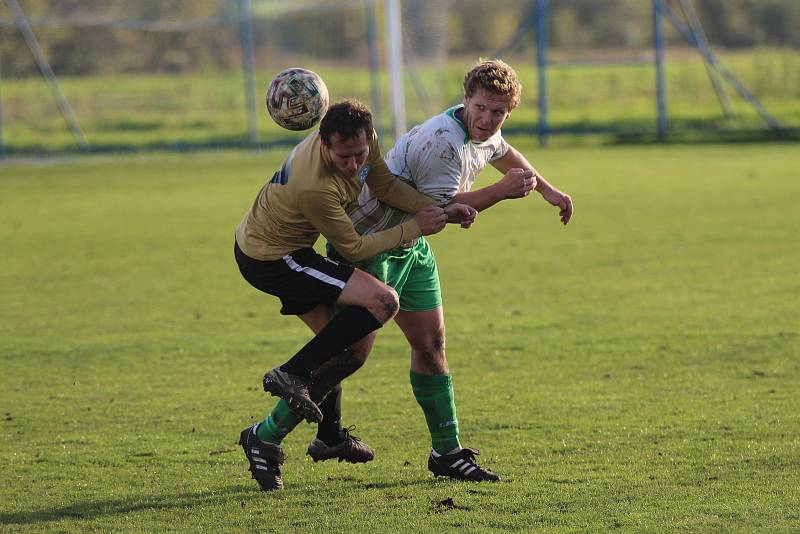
x: 430, y: 355
x: 385, y: 305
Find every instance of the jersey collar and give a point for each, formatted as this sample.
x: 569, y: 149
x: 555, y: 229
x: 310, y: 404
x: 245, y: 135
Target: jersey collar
x: 452, y: 114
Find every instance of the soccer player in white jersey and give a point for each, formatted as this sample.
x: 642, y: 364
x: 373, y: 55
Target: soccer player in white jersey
x: 440, y: 158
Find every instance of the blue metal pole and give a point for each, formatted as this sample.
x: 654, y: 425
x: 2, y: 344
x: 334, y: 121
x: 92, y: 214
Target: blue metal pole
x: 246, y: 39
x: 542, y: 40
x: 2, y: 146
x: 658, y: 46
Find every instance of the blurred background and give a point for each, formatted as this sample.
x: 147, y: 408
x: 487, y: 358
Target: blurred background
x: 107, y: 75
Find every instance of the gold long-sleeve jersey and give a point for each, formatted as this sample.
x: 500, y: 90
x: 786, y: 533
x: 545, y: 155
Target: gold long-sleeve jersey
x: 307, y: 197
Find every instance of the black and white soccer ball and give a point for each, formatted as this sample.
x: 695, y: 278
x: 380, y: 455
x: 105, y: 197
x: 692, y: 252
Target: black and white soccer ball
x: 297, y: 99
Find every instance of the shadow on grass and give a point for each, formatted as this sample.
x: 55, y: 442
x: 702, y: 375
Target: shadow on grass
x: 137, y: 503
x: 134, y: 503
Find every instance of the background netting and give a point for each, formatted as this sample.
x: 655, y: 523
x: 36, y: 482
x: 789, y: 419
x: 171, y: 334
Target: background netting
x: 169, y: 73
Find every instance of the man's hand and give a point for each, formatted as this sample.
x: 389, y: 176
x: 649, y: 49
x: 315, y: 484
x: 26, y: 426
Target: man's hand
x: 460, y: 214
x: 516, y: 183
x: 431, y: 219
x: 562, y: 200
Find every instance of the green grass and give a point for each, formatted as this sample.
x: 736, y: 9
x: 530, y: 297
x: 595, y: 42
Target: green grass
x: 637, y: 370
x: 117, y: 112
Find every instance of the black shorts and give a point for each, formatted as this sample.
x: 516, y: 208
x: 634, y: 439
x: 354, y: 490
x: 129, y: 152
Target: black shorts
x: 301, y: 280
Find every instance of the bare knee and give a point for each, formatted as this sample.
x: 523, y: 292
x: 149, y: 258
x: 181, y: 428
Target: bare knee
x: 368, y: 292
x: 385, y: 305
x: 429, y: 356
x: 437, y: 343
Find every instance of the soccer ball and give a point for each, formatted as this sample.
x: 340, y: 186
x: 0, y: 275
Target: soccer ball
x: 297, y: 99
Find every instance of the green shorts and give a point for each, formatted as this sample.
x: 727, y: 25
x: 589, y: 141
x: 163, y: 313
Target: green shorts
x: 411, y: 272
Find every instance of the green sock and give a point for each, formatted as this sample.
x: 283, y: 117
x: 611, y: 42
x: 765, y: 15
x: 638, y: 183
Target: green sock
x: 434, y: 394
x: 278, y: 424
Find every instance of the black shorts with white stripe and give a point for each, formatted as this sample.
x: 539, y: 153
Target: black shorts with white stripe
x: 302, y: 279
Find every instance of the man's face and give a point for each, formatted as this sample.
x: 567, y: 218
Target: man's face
x: 484, y: 113
x: 348, y: 155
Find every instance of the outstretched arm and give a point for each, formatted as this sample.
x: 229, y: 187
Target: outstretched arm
x: 325, y: 212
x: 520, y: 177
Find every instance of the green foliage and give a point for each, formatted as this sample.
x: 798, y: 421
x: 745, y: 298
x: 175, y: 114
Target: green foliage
x: 601, y: 23
x: 636, y: 370
x: 101, y: 37
x: 738, y: 23
x: 83, y: 37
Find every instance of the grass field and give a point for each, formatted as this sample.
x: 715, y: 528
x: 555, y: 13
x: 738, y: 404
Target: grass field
x: 637, y: 370
x: 117, y: 112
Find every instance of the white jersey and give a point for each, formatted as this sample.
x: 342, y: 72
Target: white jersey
x: 438, y: 159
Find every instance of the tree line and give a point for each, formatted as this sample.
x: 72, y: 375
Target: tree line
x: 81, y: 37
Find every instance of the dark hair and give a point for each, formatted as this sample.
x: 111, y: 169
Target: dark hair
x: 347, y: 119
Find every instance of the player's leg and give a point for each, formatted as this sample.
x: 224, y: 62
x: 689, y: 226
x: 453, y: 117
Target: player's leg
x: 430, y: 378
x: 332, y: 372
x: 333, y: 441
x: 422, y: 321
x: 432, y: 386
x: 302, y: 280
x: 282, y: 419
x: 325, y: 386
x: 324, y: 383
x: 311, y: 280
x: 261, y: 442
x: 370, y: 304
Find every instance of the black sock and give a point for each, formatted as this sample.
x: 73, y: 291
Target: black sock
x: 344, y: 329
x: 330, y: 429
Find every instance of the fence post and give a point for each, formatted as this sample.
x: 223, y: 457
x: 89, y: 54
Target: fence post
x: 542, y: 40
x: 658, y: 48
x: 246, y: 39
x: 2, y: 146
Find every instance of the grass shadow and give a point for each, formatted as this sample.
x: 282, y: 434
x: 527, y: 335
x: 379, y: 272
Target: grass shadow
x: 101, y: 508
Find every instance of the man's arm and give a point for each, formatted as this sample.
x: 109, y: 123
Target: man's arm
x: 391, y: 190
x: 325, y: 213
x: 519, y: 179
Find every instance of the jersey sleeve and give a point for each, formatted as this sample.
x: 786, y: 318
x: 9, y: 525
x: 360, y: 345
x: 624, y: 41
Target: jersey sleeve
x: 387, y: 188
x: 325, y: 212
